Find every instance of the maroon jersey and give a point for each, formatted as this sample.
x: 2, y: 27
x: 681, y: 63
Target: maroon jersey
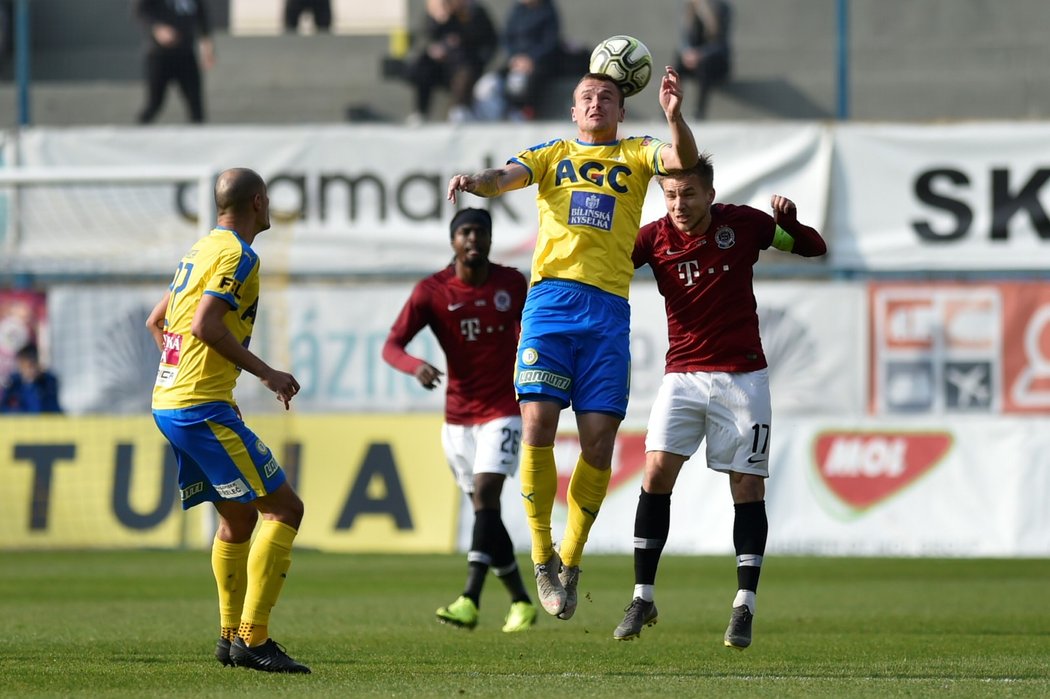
x: 477, y: 327
x: 706, y: 282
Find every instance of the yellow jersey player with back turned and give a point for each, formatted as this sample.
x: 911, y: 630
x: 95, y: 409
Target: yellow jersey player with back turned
x: 202, y: 327
x: 575, y: 327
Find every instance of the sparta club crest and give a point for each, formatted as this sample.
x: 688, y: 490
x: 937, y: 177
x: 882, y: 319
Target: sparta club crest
x: 501, y: 300
x: 725, y: 238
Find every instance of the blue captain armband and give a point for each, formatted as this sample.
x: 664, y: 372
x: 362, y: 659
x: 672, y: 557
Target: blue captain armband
x: 782, y: 240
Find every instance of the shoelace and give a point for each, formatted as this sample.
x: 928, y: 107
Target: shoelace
x: 637, y: 605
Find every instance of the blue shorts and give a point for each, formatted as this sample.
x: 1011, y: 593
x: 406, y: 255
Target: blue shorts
x: 575, y: 348
x: 219, y: 458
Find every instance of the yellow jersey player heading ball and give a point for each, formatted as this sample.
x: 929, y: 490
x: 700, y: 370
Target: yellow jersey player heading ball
x: 574, y: 347
x: 624, y: 59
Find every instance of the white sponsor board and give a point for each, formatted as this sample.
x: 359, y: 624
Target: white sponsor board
x: 371, y: 198
x: 922, y: 486
x: 841, y: 483
x: 351, y: 199
x: 934, y: 197
x: 105, y: 359
x: 959, y: 487
x: 814, y: 336
x: 331, y: 338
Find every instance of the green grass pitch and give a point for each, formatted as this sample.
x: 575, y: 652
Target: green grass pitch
x: 136, y: 624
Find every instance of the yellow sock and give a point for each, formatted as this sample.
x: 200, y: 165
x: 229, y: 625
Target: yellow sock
x: 539, y: 485
x: 229, y: 563
x: 268, y: 562
x: 253, y: 634
x: 587, y: 489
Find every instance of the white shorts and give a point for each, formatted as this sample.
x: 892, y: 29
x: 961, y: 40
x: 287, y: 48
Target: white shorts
x: 732, y: 410
x: 488, y: 447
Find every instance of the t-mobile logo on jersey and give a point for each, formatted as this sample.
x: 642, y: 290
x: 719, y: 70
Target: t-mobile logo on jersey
x: 471, y: 328
x: 689, y: 271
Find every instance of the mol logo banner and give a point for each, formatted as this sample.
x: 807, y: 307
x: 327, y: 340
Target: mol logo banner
x: 865, y: 468
x: 960, y: 348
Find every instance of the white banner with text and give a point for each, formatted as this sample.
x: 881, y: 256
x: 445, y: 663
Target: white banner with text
x: 918, y: 487
x: 344, y: 199
x: 969, y: 196
x: 331, y: 338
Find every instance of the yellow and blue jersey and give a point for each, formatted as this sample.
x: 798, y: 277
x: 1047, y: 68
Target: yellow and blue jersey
x: 191, y: 373
x: 590, y: 207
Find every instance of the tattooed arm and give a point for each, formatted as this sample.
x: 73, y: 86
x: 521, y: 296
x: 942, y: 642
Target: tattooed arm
x: 491, y: 182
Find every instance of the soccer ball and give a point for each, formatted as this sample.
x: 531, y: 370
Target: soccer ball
x: 624, y: 59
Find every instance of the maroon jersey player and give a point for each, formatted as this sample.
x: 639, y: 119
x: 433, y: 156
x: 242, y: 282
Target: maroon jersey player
x: 473, y: 307
x: 716, y: 385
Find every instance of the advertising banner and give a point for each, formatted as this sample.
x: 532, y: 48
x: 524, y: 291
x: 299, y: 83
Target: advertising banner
x: 371, y: 198
x: 969, y: 487
x: 23, y: 320
x: 879, y: 487
x: 701, y: 512
x: 369, y: 483
x: 349, y: 199
x: 331, y: 338
x: 941, y: 196
x: 981, y: 348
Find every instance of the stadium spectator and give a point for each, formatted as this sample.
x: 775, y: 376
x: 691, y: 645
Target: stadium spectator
x: 531, y: 42
x: 202, y: 326
x: 473, y: 307
x: 319, y: 10
x: 575, y: 333
x: 174, y: 28
x: 716, y: 384
x: 458, y: 41
x: 704, y: 53
x: 32, y: 388
x: 6, y: 32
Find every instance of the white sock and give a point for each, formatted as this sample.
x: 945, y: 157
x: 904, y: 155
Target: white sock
x: 644, y: 591
x: 745, y: 597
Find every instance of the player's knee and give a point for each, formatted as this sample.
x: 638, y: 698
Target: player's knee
x: 599, y: 456
x: 296, y: 510
x: 487, y: 493
x: 539, y: 414
x: 288, y: 509
x: 597, y: 448
x: 658, y: 481
x: 747, y: 487
x: 236, y: 524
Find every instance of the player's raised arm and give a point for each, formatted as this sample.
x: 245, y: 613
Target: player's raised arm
x: 489, y: 183
x: 682, y: 153
x: 801, y: 239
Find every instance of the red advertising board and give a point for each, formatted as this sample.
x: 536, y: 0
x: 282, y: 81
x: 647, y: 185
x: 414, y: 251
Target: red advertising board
x: 960, y: 348
x: 23, y: 318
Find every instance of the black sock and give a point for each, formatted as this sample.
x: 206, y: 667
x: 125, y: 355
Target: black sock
x: 652, y: 521
x: 479, y: 558
x: 750, y: 528
x: 504, y: 564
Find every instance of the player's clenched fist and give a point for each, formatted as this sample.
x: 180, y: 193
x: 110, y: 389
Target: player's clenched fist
x: 783, y: 208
